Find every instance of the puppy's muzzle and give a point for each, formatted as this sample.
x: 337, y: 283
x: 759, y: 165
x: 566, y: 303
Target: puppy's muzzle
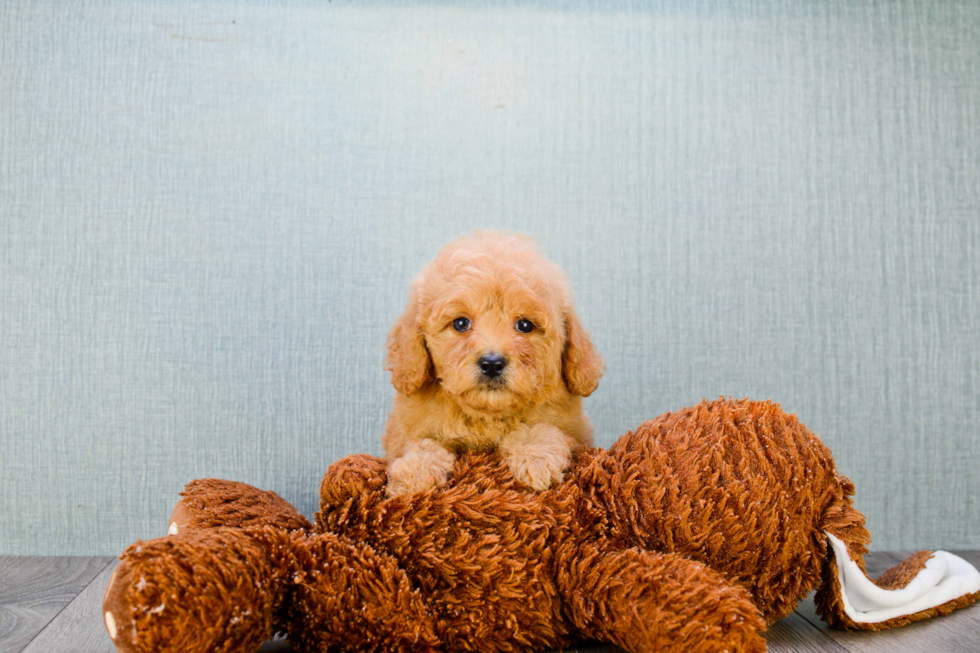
x: 492, y: 365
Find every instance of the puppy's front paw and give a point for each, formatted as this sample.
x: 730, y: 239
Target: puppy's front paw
x: 537, y: 455
x: 425, y: 465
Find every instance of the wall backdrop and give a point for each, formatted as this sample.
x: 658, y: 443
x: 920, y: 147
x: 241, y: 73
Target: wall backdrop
x: 210, y: 213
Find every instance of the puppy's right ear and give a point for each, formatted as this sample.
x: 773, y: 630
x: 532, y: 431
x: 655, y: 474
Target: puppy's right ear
x: 408, y: 359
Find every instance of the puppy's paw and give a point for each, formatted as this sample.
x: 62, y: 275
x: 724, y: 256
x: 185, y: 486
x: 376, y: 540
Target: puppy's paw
x: 426, y: 464
x: 537, y: 455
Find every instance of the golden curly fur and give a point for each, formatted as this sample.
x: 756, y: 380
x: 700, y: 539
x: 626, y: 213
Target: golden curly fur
x: 448, y: 401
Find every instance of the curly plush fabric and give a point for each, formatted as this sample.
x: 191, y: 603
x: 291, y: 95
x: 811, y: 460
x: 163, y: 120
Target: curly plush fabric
x: 689, y: 534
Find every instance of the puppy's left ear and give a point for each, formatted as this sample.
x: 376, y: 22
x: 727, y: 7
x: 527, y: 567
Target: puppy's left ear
x: 582, y: 366
x: 408, y: 358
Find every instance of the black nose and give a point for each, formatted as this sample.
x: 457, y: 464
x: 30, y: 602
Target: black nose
x: 492, y: 365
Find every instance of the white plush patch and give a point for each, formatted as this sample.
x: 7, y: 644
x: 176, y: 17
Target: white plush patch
x: 110, y: 625
x: 944, y: 578
x: 173, y: 528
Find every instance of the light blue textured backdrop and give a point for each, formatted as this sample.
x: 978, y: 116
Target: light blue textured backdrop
x: 209, y: 215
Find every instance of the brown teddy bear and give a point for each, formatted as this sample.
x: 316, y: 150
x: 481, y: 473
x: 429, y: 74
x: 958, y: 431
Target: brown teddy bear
x: 691, y: 533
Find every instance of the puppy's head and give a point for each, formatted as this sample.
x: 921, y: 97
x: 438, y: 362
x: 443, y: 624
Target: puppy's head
x: 492, y: 323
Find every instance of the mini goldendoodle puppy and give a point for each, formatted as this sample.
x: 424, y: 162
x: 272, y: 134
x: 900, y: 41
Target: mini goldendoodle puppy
x: 488, y: 354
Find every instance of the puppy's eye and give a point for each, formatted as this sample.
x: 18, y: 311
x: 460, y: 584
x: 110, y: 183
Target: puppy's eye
x: 461, y: 324
x: 524, y: 326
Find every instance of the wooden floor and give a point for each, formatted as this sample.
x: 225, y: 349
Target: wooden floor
x: 51, y: 605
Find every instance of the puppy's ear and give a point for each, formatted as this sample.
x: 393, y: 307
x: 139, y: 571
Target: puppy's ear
x: 581, y: 364
x: 408, y: 359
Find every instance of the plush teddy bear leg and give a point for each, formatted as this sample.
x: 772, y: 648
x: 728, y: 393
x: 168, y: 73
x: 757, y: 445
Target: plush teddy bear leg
x: 349, y: 597
x: 924, y: 585
x: 212, y: 503
x: 646, y: 602
x: 209, y: 590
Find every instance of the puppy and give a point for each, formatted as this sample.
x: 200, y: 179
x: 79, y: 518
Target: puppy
x: 489, y: 354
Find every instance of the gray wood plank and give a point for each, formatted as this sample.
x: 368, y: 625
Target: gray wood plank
x: 34, y: 589
x: 794, y: 634
x: 958, y: 632
x: 79, y: 627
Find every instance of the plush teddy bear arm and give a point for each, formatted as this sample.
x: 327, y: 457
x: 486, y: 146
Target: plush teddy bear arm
x: 347, y: 596
x: 213, y: 503
x: 217, y: 589
x: 649, y: 602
